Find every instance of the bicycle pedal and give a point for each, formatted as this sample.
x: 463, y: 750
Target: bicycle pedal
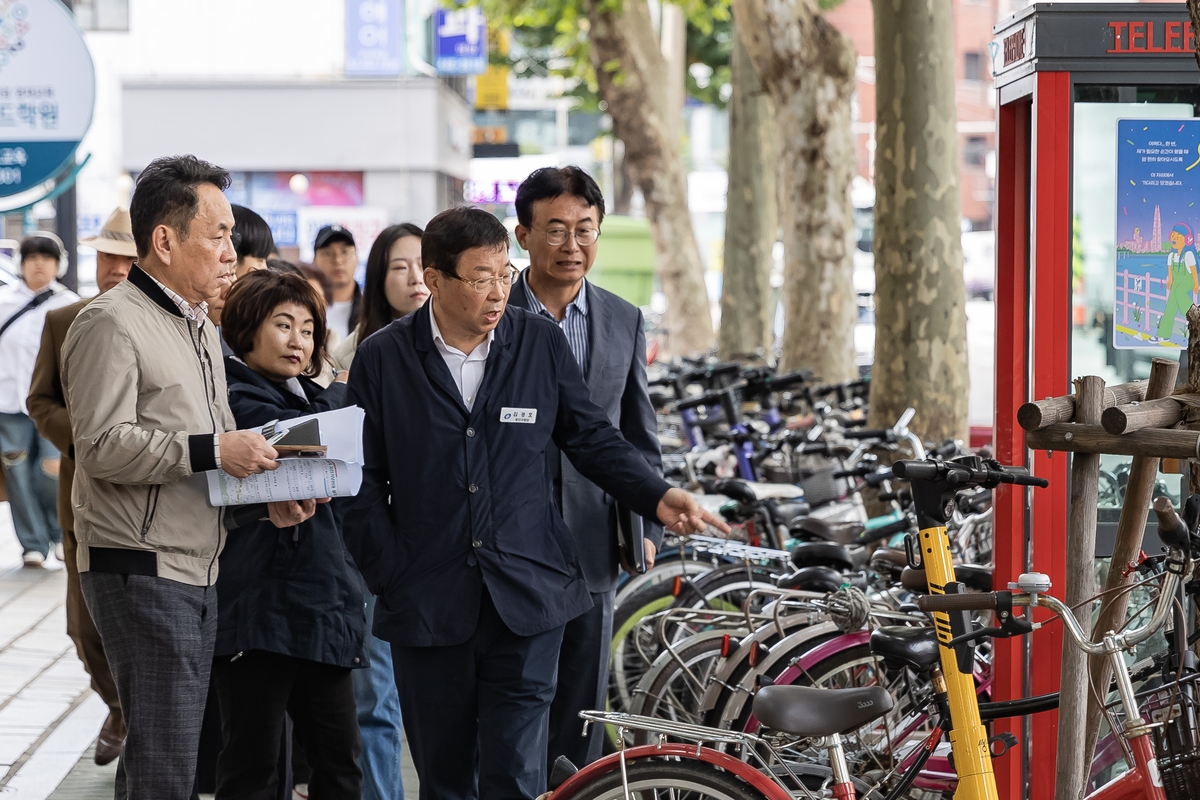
x: 1002, y: 743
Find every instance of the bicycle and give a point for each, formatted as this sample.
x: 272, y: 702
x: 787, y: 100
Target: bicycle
x: 795, y: 715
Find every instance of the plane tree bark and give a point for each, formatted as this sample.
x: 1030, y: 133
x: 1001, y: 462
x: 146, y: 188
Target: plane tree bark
x: 751, y: 216
x: 920, y: 300
x: 807, y: 66
x: 631, y: 74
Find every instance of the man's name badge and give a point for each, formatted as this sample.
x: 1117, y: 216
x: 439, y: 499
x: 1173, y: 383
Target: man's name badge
x: 527, y: 416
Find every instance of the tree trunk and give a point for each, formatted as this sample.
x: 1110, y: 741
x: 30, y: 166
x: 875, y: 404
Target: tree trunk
x: 623, y: 188
x: 631, y: 72
x: 808, y: 66
x: 920, y: 301
x: 751, y: 216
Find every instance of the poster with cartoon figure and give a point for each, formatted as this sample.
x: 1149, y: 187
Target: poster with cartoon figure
x: 1158, y: 185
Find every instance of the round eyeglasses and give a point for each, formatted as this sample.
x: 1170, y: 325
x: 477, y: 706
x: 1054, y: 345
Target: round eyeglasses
x: 484, y: 285
x: 584, y: 237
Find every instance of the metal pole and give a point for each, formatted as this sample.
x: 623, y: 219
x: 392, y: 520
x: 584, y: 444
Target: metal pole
x: 66, y: 225
x: 66, y: 220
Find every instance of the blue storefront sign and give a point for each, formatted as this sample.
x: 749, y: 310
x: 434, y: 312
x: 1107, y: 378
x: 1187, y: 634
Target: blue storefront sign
x: 283, y: 227
x: 374, y: 38
x: 47, y: 89
x: 460, y: 41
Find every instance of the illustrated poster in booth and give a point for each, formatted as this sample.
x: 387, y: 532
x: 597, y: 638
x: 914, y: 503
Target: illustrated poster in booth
x: 1158, y: 223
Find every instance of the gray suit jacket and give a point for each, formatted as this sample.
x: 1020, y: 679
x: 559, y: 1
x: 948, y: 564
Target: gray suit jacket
x: 616, y: 376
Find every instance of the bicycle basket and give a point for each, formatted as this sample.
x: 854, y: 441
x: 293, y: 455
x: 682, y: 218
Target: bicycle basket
x: 1177, y: 741
x: 822, y: 487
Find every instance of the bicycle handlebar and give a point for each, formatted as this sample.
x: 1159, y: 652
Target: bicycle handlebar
x: 985, y: 601
x: 959, y: 473
x: 878, y: 433
x: 1172, y: 530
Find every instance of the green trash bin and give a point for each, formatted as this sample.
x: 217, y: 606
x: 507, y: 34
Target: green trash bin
x: 625, y: 259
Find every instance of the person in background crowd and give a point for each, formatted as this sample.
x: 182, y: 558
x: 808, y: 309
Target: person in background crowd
x: 320, y: 281
x: 394, y: 286
x: 145, y: 390
x: 560, y: 211
x: 454, y: 527
x: 335, y: 255
x: 252, y: 240
x: 115, y: 254
x: 290, y: 625
x: 29, y: 461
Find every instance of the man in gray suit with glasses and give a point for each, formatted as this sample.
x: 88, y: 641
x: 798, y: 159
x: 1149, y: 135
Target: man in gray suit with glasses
x: 560, y: 211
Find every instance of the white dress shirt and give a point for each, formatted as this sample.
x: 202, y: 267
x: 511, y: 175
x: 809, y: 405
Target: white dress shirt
x: 20, y: 344
x: 465, y: 368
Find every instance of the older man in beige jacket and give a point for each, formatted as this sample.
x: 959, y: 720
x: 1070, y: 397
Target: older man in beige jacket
x: 145, y: 389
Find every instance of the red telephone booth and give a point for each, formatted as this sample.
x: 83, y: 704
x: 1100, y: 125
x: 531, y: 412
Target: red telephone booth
x: 1068, y: 76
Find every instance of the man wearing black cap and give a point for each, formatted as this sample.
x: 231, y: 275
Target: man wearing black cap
x: 335, y: 255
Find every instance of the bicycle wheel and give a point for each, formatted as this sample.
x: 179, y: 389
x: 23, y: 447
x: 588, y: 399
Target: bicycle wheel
x: 674, y: 685
x: 660, y: 779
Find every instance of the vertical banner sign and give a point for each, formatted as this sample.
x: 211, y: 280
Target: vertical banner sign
x: 374, y: 38
x: 1158, y: 220
x: 460, y: 46
x: 47, y: 88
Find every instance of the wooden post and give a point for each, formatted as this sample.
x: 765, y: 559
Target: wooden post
x: 1149, y: 414
x: 1071, y: 769
x: 1040, y: 413
x: 1130, y: 530
x: 1193, y: 383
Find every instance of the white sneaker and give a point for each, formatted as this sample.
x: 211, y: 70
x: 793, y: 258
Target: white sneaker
x: 52, y: 564
x: 34, y: 560
x: 59, y: 553
x: 300, y: 791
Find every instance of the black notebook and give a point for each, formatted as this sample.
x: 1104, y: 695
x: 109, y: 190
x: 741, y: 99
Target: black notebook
x: 631, y: 535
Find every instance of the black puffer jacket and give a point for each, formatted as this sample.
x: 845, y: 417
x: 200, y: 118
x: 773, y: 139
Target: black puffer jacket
x: 293, y: 591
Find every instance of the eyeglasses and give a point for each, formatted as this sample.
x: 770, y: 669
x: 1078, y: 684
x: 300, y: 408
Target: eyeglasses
x: 484, y: 285
x: 585, y: 237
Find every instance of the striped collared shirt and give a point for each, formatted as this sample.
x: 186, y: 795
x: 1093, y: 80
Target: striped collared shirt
x: 574, y: 324
x: 196, y: 313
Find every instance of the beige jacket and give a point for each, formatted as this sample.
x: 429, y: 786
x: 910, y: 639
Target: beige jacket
x: 146, y: 392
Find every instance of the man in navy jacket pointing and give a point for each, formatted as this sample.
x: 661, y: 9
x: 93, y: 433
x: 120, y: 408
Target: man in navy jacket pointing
x: 455, y: 528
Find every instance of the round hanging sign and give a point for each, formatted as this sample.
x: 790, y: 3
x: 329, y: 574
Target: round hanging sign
x: 47, y: 89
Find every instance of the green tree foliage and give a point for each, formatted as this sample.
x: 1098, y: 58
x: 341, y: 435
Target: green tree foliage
x: 549, y: 37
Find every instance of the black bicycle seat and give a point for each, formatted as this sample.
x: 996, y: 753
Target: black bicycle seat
x: 974, y: 576
x: 812, y: 579
x: 837, y: 532
x: 916, y: 647
x: 821, y: 554
x: 808, y: 711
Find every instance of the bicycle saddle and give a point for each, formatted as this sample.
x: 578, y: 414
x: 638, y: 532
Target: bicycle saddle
x: 839, y: 532
x: 888, y: 563
x: 812, y: 579
x: 808, y: 711
x: 822, y: 554
x: 916, y: 647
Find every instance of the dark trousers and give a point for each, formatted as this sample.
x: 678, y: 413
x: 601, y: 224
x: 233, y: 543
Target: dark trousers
x: 83, y: 633
x: 587, y: 641
x: 257, y: 692
x: 158, y: 635
x: 476, y: 714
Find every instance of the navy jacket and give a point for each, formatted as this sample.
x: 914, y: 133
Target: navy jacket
x: 616, y: 378
x: 455, y: 500
x: 292, y: 590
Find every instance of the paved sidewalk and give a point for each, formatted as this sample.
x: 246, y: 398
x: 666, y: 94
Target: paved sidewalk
x: 49, y: 716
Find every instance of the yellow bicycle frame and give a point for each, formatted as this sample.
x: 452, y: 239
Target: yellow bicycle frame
x: 968, y: 739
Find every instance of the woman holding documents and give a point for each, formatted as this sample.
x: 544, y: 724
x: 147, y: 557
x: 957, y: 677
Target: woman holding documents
x: 290, y: 612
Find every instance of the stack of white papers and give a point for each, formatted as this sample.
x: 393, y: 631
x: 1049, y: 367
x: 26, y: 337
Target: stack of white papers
x: 338, y: 474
